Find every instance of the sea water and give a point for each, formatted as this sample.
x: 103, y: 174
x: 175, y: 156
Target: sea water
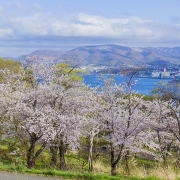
x: 140, y: 85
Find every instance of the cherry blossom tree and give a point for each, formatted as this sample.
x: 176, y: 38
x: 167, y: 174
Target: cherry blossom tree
x: 93, y: 120
x: 34, y: 117
x: 59, y: 110
x: 166, y: 114
x: 126, y: 120
x: 173, y: 118
x: 5, y: 100
x: 41, y: 112
x: 65, y: 97
x: 159, y: 126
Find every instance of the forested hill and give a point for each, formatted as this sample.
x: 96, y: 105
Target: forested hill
x: 107, y: 55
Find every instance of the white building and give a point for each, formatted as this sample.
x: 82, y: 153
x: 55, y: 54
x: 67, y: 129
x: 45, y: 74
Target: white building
x: 165, y: 74
x: 155, y: 74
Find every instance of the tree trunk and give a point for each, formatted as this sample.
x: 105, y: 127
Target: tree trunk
x: 164, y: 150
x: 115, y: 160
x: 30, y: 154
x: 113, y: 164
x: 127, y: 164
x: 53, y: 150
x: 165, y: 161
x: 62, y: 151
x: 113, y: 169
x: 90, y: 158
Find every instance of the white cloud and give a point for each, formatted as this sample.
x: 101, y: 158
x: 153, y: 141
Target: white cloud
x: 89, y: 25
x: 49, y: 25
x: 26, y: 26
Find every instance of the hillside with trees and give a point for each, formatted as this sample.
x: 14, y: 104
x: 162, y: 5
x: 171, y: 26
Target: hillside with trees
x: 60, y: 123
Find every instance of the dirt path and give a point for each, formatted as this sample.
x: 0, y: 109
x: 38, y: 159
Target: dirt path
x: 15, y: 176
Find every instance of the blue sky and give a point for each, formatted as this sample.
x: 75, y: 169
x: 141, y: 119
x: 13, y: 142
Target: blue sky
x: 28, y: 25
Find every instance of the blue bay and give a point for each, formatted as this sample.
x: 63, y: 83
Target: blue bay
x: 142, y: 86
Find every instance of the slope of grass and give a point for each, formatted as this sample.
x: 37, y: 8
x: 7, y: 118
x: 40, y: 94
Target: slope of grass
x: 69, y: 175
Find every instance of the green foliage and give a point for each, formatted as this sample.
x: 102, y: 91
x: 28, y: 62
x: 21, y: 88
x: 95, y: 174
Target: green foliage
x: 66, y: 69
x: 11, y: 152
x: 12, y: 66
x: 148, y: 98
x: 29, y: 79
x: 145, y: 162
x: 69, y: 175
x: 43, y: 160
x: 75, y: 163
x: 150, y: 178
x: 15, y: 67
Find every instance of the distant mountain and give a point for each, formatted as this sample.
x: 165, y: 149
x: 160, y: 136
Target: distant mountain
x: 107, y: 55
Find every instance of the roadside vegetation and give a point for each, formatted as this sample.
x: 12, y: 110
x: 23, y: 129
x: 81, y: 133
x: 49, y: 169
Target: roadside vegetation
x: 52, y: 124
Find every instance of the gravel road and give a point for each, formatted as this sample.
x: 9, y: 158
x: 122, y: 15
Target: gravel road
x: 15, y: 176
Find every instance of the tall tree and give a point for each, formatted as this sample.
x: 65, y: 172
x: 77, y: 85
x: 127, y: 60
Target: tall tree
x: 160, y: 126
x: 66, y: 100
x: 32, y: 112
x: 93, y: 121
x: 126, y: 120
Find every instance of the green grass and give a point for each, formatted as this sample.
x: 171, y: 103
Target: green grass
x: 77, y: 164
x: 68, y: 175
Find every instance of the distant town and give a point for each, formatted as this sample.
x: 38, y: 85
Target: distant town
x: 162, y: 74
x: 171, y: 72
